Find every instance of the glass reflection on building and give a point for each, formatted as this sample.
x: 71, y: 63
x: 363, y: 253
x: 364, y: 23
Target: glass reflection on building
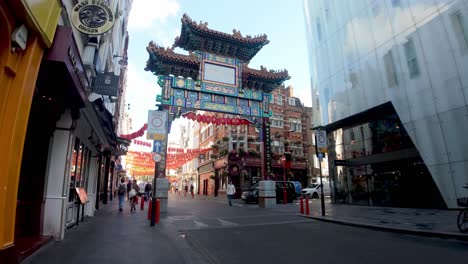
x: 412, y: 54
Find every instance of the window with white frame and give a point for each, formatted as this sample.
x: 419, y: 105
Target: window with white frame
x: 296, y: 149
x: 276, y: 120
x: 277, y: 147
x: 292, y: 101
x: 295, y: 124
x: 279, y: 99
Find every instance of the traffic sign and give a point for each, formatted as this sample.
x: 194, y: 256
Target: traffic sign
x: 321, y: 138
x: 157, y: 146
x: 157, y: 125
x: 157, y: 158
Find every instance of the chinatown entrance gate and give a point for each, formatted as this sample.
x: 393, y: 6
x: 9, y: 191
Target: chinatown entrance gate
x: 215, y: 77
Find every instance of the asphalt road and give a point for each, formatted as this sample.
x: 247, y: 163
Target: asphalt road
x: 209, y: 231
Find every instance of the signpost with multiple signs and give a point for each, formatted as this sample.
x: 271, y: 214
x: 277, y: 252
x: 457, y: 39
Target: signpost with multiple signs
x: 320, y: 150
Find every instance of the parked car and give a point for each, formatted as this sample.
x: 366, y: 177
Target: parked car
x: 251, y: 195
x: 313, y: 190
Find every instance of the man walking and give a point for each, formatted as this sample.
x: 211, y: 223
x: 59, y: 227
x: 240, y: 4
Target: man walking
x: 231, y: 190
x: 148, y: 189
x: 121, y: 192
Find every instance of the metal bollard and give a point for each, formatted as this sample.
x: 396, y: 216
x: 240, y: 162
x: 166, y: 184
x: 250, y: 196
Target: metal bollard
x: 302, y: 205
x: 307, y: 206
x: 158, y: 209
x: 149, y: 210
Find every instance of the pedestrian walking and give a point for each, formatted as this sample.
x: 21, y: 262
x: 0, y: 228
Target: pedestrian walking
x: 133, y: 195
x: 231, y: 190
x: 148, y: 189
x: 191, y: 190
x: 176, y: 187
x: 186, y: 189
x: 129, y: 188
x: 121, y: 192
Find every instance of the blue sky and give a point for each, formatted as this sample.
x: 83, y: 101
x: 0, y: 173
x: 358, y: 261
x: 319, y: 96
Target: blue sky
x: 159, y: 20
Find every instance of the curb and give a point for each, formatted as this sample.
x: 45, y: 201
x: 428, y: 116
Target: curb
x: 391, y: 229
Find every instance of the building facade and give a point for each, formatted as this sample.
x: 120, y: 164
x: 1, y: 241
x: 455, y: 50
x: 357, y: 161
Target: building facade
x: 64, y: 125
x: 389, y: 85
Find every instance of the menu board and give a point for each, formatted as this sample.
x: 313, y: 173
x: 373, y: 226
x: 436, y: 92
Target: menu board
x: 81, y: 192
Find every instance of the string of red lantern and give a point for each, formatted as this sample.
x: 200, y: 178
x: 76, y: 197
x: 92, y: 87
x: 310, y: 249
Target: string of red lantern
x: 207, y: 119
x: 139, y: 133
x: 141, y: 143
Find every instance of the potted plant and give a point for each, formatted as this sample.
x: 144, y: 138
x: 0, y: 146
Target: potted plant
x: 225, y: 139
x: 223, y: 152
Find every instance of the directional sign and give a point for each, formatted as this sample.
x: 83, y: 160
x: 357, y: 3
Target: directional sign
x: 157, y: 146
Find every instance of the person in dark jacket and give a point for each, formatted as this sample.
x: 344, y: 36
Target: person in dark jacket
x: 148, y: 189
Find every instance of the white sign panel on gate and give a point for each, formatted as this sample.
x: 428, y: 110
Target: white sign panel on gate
x: 157, y: 121
x: 321, y: 136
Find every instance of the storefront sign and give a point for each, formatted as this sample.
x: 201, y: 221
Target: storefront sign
x: 106, y: 84
x: 267, y: 146
x: 341, y: 163
x: 92, y: 17
x: 65, y: 52
x: 78, y: 69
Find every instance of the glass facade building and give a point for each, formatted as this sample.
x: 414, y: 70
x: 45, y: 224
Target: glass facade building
x: 390, y: 83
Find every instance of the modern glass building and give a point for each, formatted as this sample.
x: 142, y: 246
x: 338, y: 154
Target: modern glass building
x: 390, y: 84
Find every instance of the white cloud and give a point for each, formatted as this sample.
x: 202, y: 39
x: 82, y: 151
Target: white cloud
x: 145, y: 12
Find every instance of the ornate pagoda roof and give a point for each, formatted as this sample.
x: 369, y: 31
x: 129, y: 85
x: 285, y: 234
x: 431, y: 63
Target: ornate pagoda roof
x: 164, y: 61
x: 199, y: 37
x: 263, y: 79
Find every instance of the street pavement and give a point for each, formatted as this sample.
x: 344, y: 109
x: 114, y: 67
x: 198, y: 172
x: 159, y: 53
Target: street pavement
x: 207, y: 230
x: 428, y: 222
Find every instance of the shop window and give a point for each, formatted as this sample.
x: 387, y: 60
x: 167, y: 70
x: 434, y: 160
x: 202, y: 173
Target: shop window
x: 79, y: 168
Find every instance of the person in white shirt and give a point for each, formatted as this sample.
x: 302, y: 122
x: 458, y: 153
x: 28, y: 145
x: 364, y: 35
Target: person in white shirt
x: 231, y: 190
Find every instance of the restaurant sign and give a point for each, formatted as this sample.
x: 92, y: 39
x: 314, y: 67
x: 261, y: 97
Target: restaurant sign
x: 106, y: 84
x: 92, y: 17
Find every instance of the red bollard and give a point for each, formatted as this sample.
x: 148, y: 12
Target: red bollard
x: 149, y: 210
x: 142, y: 205
x: 302, y: 205
x: 136, y: 199
x: 307, y: 206
x: 158, y: 209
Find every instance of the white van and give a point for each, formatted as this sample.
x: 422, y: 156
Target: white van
x: 313, y: 190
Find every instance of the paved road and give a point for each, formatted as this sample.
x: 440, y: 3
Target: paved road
x: 209, y: 231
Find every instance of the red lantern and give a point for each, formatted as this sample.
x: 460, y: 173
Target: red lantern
x: 213, y: 119
x: 199, y: 118
x: 229, y: 121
